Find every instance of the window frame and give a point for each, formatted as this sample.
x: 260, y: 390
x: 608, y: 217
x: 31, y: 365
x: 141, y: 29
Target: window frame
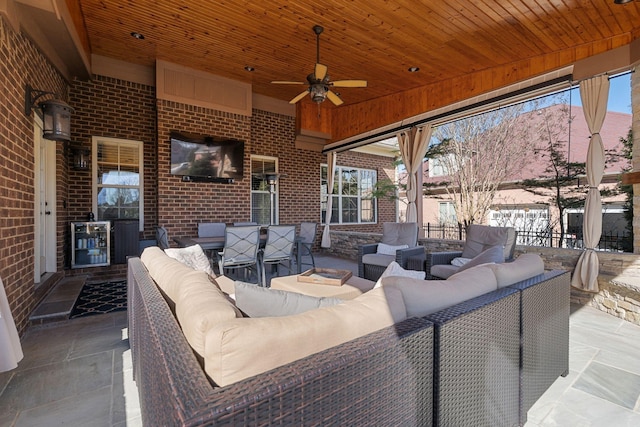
x: 95, y: 187
x: 276, y: 193
x: 338, y: 183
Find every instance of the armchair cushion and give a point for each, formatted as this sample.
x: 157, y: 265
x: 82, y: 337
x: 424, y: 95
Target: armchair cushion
x: 400, y: 233
x: 481, y: 237
x: 378, y: 259
x: 385, y: 249
x: 493, y: 255
x: 256, y: 301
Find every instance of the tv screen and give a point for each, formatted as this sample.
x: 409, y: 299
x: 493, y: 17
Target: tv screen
x: 206, y: 156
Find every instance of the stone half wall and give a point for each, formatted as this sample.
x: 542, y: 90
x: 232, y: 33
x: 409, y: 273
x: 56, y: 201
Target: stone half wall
x: 619, y: 278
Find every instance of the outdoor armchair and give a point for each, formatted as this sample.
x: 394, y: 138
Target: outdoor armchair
x: 240, y: 250
x: 399, y: 242
x: 477, y: 248
x: 278, y: 248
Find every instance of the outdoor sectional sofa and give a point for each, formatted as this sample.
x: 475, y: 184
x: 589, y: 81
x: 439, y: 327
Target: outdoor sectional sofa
x: 482, y: 361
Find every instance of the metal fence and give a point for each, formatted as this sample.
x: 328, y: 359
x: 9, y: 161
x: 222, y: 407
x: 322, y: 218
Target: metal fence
x: 612, y: 242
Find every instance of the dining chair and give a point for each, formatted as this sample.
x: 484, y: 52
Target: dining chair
x: 307, y: 238
x: 240, y: 250
x: 162, y: 238
x: 211, y: 229
x: 278, y: 248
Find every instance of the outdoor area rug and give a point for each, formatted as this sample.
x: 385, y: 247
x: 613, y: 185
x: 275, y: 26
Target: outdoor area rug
x: 100, y: 298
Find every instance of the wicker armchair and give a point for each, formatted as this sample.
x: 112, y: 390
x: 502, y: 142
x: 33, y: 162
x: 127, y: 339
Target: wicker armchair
x: 479, y: 238
x: 372, y: 264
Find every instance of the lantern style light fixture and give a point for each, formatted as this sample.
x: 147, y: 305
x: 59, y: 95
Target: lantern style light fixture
x: 56, y: 114
x: 81, y: 158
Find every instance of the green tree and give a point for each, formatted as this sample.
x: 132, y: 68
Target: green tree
x: 627, y: 189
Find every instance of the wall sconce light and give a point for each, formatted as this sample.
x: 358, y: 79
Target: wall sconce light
x: 56, y: 114
x: 81, y: 158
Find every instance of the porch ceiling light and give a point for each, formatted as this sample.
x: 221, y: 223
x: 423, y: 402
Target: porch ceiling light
x: 56, y: 114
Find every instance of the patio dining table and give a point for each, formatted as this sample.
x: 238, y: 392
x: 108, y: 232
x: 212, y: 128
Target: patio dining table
x: 217, y: 243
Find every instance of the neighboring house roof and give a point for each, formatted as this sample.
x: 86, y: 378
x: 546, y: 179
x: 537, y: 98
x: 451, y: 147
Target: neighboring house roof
x: 616, y: 125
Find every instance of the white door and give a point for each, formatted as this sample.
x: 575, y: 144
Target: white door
x: 45, y: 204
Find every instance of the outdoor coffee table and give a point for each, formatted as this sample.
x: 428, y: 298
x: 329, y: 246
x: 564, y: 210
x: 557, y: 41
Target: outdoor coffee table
x: 352, y: 288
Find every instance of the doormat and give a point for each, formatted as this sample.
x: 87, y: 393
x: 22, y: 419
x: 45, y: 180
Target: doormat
x: 100, y: 298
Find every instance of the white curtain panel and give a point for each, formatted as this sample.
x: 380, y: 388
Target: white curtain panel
x: 10, y: 348
x: 413, y: 146
x: 594, y: 94
x: 331, y: 167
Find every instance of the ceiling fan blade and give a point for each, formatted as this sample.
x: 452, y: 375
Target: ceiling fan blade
x: 299, y: 97
x: 334, y: 98
x: 349, y: 83
x: 284, y: 82
x: 320, y: 72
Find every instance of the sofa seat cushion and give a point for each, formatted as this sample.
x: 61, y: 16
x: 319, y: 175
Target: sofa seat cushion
x: 241, y: 348
x: 256, y: 301
x: 378, y: 259
x: 200, y: 306
x: 522, y: 268
x: 422, y: 297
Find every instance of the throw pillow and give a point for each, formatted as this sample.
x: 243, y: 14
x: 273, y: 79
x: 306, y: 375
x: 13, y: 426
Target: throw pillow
x: 394, y: 269
x: 256, y: 301
x: 385, y: 249
x: 493, y: 255
x: 192, y: 256
x: 459, y: 262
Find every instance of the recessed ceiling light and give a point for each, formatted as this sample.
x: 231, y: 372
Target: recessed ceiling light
x: 249, y: 68
x: 622, y: 1
x: 414, y: 69
x: 137, y: 35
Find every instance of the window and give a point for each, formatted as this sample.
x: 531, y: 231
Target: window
x: 118, y: 179
x: 447, y: 213
x: 264, y: 197
x: 353, y: 202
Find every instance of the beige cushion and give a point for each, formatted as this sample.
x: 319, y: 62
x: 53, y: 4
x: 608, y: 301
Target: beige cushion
x: 523, y: 267
x: 394, y: 269
x: 444, y: 271
x: 241, y: 348
x: 481, y: 237
x: 400, y: 233
x: 493, y: 255
x: 226, y: 284
x: 422, y: 297
x: 378, y: 259
x: 200, y: 306
x: 385, y: 249
x: 192, y: 256
x: 256, y: 301
x: 165, y: 271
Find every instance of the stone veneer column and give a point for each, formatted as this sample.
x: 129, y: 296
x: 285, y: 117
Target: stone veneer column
x: 635, y: 126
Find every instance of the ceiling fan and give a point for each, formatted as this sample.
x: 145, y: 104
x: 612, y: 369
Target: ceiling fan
x: 319, y: 81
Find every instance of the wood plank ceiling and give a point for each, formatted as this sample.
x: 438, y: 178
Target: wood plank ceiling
x: 363, y: 39
x: 373, y: 40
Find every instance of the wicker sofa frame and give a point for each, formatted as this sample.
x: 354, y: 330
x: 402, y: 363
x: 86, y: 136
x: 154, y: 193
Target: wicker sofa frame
x: 484, y: 361
x: 384, y: 378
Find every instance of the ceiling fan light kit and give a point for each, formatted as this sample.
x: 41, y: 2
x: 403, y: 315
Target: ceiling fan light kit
x: 319, y: 81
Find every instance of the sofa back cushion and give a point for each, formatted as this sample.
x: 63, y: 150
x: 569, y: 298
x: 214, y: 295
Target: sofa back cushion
x: 200, y: 306
x: 165, y: 271
x: 241, y: 348
x: 522, y: 268
x: 422, y: 297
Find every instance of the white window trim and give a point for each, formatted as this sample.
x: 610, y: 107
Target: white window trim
x: 94, y: 171
x: 375, y: 200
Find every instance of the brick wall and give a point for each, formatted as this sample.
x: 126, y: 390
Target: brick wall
x: 20, y: 64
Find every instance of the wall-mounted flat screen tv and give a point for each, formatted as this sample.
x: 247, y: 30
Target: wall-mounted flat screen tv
x: 208, y: 157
